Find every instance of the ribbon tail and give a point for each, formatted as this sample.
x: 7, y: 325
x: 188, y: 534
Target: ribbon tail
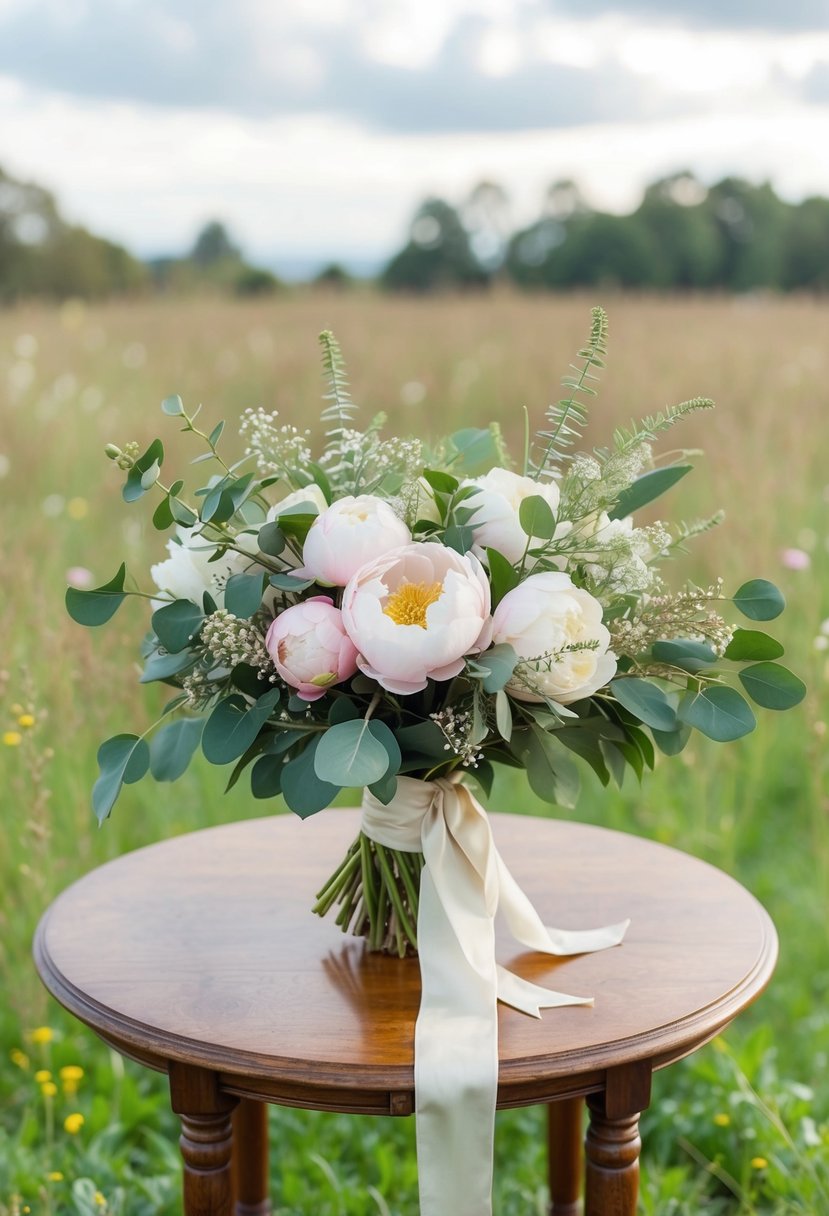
x: 526, y: 925
x: 531, y: 998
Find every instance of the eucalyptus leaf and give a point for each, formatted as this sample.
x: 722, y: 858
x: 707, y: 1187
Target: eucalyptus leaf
x: 503, y: 715
x: 350, y: 754
x: 233, y: 726
x: 646, y: 701
x: 498, y: 663
x: 647, y: 488
x: 243, y: 594
x: 266, y: 776
x: 163, y: 666
x: 750, y: 645
x: 290, y: 582
x: 153, y: 458
x: 759, y: 600
x: 385, y: 789
x: 177, y: 624
x: 97, y: 606
x: 772, y: 685
x: 122, y: 760
x: 551, y: 772
x: 671, y: 742
x: 302, y: 789
x: 718, y: 712
x: 271, y: 539
x: 173, y: 406
x: 686, y: 653
x: 173, y: 748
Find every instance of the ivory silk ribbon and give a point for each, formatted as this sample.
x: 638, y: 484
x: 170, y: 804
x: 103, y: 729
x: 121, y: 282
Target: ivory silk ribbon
x: 463, y: 884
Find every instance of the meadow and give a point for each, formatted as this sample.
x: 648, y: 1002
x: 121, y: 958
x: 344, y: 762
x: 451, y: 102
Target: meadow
x: 743, y: 1126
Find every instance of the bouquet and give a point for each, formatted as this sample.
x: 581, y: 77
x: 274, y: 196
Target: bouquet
x: 385, y: 612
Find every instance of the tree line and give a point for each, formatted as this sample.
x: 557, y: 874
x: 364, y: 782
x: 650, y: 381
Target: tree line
x: 733, y: 236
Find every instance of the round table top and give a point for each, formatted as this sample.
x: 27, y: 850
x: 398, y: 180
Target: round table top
x: 203, y: 949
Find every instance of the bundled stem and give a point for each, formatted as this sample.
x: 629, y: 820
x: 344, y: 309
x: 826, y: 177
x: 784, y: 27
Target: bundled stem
x: 376, y: 889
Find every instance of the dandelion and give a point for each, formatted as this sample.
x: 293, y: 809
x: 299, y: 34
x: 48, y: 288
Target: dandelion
x: 759, y: 1163
x: 42, y: 1034
x: 42, y: 1075
x: 100, y: 1199
x: 26, y: 720
x: 722, y: 1119
x: 19, y: 1058
x: 12, y: 738
x: 54, y: 1176
x: 70, y: 1075
x: 49, y: 1089
x: 73, y: 1123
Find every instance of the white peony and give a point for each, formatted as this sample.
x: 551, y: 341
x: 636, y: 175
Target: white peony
x: 415, y: 613
x: 351, y: 532
x: 188, y: 572
x: 496, y: 503
x: 547, y: 620
x: 310, y: 495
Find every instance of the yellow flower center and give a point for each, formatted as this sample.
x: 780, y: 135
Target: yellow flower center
x: 408, y: 604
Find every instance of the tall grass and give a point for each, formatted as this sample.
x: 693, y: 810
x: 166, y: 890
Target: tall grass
x: 736, y: 1130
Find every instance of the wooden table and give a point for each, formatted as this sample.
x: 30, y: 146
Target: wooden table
x: 199, y: 957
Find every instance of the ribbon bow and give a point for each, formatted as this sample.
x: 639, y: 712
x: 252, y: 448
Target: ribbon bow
x: 462, y: 886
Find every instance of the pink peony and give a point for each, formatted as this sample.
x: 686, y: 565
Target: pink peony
x: 310, y: 648
x: 415, y: 613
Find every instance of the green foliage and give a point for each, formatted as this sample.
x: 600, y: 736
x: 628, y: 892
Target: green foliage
x: 772, y: 686
x: 96, y: 607
x: 647, y: 489
x: 233, y: 725
x: 122, y: 760
x: 759, y: 600
x: 177, y: 624
x: 173, y: 747
x: 356, y: 753
x: 717, y: 712
x: 646, y: 701
x: 568, y: 417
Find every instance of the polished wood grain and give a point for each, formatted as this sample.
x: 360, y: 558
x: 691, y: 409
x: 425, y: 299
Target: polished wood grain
x: 564, y: 1137
x: 203, y: 950
x: 200, y: 957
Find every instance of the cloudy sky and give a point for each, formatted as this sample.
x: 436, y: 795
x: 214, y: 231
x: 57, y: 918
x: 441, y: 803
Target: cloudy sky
x: 313, y: 126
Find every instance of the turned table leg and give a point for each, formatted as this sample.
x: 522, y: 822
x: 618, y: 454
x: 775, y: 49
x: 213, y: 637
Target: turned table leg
x: 612, y: 1158
x: 250, y: 1159
x: 206, y: 1140
x: 564, y: 1137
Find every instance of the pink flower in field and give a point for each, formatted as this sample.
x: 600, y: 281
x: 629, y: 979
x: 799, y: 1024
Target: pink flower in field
x: 79, y: 576
x: 795, y: 559
x: 415, y: 613
x: 350, y: 533
x: 310, y: 647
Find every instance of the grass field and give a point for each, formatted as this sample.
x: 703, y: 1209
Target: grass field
x: 743, y: 1127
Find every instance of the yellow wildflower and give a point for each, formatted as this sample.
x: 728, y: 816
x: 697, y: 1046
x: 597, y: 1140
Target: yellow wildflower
x: 73, y: 1123
x: 722, y: 1119
x: 42, y: 1075
x: 26, y: 720
x: 12, y: 738
x: 54, y: 1176
x: 19, y: 1058
x: 42, y: 1034
x: 48, y: 1089
x: 759, y: 1163
x: 100, y: 1199
x: 71, y: 1072
x: 77, y: 508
